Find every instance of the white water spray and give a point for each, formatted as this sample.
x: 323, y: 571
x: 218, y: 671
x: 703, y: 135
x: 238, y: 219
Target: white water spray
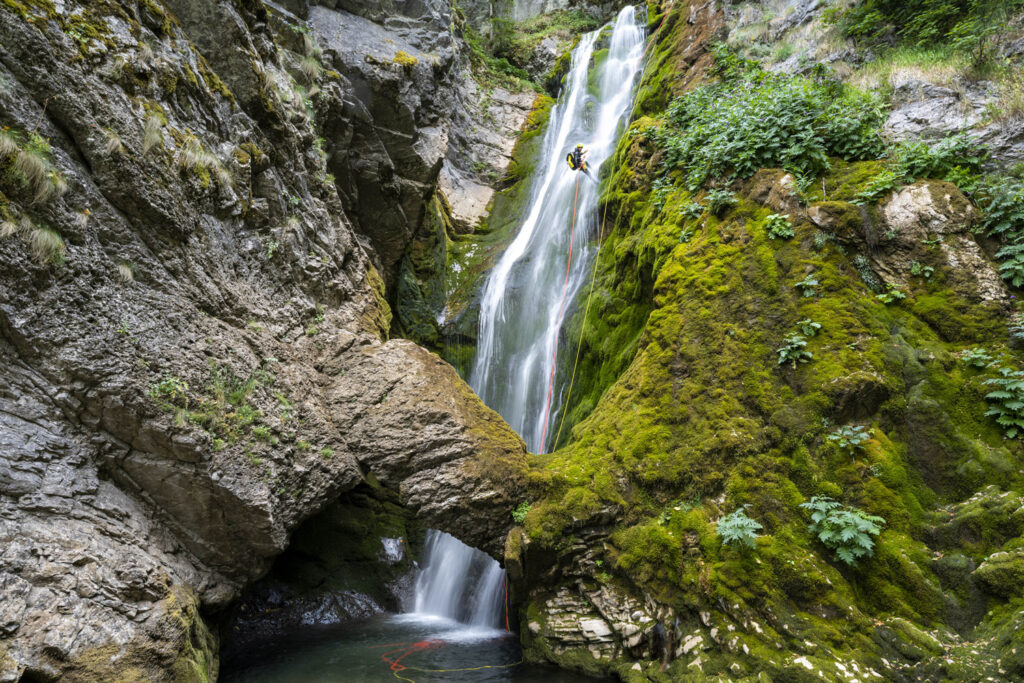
x: 520, y: 306
x: 459, y: 583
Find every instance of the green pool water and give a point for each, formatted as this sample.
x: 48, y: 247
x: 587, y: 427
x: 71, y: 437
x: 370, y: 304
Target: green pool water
x: 431, y: 649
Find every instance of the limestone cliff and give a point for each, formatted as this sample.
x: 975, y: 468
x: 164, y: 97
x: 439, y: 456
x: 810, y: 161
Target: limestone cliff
x: 193, y: 341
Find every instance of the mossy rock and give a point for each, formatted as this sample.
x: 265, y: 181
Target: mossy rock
x: 1002, y: 573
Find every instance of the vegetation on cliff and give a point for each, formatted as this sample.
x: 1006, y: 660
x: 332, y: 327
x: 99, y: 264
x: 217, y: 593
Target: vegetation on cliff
x: 818, y: 383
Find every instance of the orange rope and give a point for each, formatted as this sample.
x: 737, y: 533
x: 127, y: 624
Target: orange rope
x: 561, y: 309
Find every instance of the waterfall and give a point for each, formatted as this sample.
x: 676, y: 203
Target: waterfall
x: 460, y: 583
x: 520, y: 309
x: 520, y: 314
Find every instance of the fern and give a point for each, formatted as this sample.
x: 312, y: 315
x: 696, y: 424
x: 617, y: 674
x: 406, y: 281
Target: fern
x: 1012, y: 258
x: 737, y: 529
x: 844, y: 529
x: 1007, y: 401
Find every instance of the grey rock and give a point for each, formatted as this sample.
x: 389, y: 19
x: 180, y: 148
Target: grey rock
x: 126, y: 510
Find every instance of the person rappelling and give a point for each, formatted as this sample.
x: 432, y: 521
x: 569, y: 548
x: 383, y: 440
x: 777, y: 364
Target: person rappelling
x: 578, y: 160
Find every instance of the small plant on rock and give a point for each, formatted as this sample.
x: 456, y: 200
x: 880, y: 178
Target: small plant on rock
x: 1007, y: 401
x: 737, y: 529
x: 170, y: 391
x: 891, y: 295
x: 519, y: 514
x: 691, y: 210
x: 977, y: 357
x: 846, y: 530
x: 808, y: 286
x: 779, y: 227
x: 808, y: 327
x: 720, y: 200
x: 793, y: 351
x: 850, y: 437
x: 917, y: 268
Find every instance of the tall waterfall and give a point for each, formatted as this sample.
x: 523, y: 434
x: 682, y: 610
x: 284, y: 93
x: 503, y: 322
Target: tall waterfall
x: 520, y: 312
x: 460, y: 583
x: 521, y: 306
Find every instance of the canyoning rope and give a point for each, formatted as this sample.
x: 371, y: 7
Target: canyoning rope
x: 593, y: 273
x: 583, y: 327
x: 561, y: 310
x: 403, y: 650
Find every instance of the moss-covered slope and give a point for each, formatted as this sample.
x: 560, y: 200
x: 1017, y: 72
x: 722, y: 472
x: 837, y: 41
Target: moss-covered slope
x: 687, y: 408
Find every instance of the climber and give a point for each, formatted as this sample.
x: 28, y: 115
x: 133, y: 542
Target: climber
x: 578, y: 160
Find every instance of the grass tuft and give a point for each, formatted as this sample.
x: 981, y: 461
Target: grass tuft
x: 8, y: 228
x: 125, y: 271
x: 47, y: 245
x: 113, y: 144
x: 8, y: 142
x: 310, y: 68
x: 152, y: 132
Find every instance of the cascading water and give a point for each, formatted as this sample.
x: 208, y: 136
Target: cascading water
x: 521, y: 309
x: 459, y: 582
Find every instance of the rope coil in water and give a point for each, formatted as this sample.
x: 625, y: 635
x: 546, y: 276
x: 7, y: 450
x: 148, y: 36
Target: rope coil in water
x: 403, y: 650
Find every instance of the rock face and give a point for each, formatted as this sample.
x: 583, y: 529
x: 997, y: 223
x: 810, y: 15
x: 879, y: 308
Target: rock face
x: 192, y: 354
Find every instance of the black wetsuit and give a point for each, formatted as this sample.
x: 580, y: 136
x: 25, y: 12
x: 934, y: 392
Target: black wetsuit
x: 576, y: 161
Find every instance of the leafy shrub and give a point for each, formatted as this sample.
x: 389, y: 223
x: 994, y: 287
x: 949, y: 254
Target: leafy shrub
x: 720, y: 200
x: 1007, y: 401
x: 977, y: 357
x: 779, y: 227
x: 807, y: 286
x: 965, y: 25
x: 737, y: 529
x: 846, y: 530
x: 850, y: 437
x: 519, y: 514
x: 954, y: 157
x: 793, y: 350
x: 755, y: 119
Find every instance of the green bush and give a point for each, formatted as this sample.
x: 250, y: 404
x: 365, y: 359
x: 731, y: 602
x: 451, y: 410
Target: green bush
x: 955, y: 157
x: 737, y: 529
x: 778, y: 227
x: 846, y: 530
x: 965, y: 25
x: 1007, y: 401
x: 755, y: 119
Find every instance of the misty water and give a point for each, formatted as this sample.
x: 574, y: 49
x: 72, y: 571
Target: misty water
x: 457, y: 629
